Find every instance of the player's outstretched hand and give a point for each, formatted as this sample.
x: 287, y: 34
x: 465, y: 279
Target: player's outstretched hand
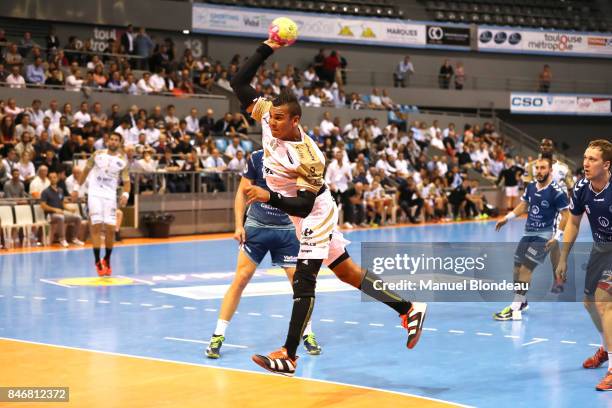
x: 240, y: 234
x: 500, y: 224
x: 561, y: 272
x: 255, y: 193
x: 273, y: 44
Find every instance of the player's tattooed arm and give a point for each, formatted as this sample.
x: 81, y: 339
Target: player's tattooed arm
x: 90, y: 164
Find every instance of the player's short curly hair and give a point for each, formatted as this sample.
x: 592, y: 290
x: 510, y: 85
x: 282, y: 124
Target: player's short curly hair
x: 287, y: 97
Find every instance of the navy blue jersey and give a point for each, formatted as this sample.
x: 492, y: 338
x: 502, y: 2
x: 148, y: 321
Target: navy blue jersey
x: 544, y: 206
x: 598, y: 207
x: 262, y: 214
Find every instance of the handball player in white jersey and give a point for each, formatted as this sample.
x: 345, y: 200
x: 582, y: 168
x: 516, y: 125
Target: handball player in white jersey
x: 293, y: 169
x: 102, y: 172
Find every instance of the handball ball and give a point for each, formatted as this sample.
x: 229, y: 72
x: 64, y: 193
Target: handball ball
x: 283, y: 31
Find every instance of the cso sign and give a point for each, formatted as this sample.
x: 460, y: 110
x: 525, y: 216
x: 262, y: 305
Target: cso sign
x: 560, y: 104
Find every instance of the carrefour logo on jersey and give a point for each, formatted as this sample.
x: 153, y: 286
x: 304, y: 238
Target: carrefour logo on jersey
x: 604, y: 222
x: 535, y: 209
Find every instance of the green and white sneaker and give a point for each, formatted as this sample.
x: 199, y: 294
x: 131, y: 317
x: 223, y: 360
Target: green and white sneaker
x: 311, y: 345
x: 508, y: 314
x: 214, y: 347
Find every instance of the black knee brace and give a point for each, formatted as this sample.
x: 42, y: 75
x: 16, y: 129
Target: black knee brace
x: 305, y: 278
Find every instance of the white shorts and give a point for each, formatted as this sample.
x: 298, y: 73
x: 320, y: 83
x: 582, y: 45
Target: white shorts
x: 512, y: 191
x: 318, y: 233
x: 102, y: 210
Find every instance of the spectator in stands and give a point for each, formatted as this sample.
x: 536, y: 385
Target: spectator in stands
x: 353, y: 206
x: 144, y: 88
x: 74, y: 81
x: 24, y: 127
x: 26, y: 169
x: 135, y: 133
x: 214, y: 165
x: 52, y: 41
x: 237, y: 163
x: 184, y: 146
x: 53, y: 113
x: 26, y: 44
x: 222, y: 126
x: 128, y: 40
x: 10, y: 162
x: 3, y: 73
x: 445, y: 75
x: 4, y: 175
x: 171, y: 115
x: 40, y: 182
x: 82, y: 116
x: 191, y: 164
x: 60, y: 133
x: 193, y: 122
x: 25, y: 145
x: 356, y: 102
x: 12, y: 57
x: 403, y: 71
x: 233, y: 148
x: 11, y: 108
x: 207, y: 122
x: 475, y: 201
x: 375, y: 100
x: 60, y: 215
x: 331, y: 63
x: 408, y: 197
x: 42, y: 144
x: 15, y: 80
x: 459, y: 76
x: 152, y: 133
x: 143, y: 48
x: 55, y: 78
x: 545, y: 79
x: 14, y: 188
x: 71, y: 147
x: 35, y: 113
x: 338, y: 175
x: 35, y: 72
x: 7, y: 134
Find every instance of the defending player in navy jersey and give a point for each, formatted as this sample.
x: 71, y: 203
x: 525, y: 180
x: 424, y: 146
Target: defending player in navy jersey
x: 294, y: 167
x: 542, y: 200
x: 266, y: 229
x: 593, y: 195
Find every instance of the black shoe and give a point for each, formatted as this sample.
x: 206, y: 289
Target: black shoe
x: 118, y: 236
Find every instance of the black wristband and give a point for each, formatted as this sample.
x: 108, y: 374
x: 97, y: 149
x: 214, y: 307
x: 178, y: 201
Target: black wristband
x: 265, y: 50
x: 275, y: 199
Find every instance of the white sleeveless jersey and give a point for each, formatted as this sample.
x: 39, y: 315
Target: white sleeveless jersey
x: 291, y: 166
x: 103, y: 179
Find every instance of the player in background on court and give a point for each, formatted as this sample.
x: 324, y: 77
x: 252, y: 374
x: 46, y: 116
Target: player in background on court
x: 293, y: 168
x: 561, y: 175
x: 105, y: 167
x: 543, y: 200
x: 266, y: 229
x: 593, y: 195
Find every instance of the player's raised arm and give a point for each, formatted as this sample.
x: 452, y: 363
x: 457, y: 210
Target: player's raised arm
x: 241, y: 83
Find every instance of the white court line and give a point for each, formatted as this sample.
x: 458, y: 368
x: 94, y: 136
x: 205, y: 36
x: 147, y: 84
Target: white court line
x: 83, y: 300
x: 137, y: 280
x: 125, y: 303
x: 18, y: 297
x: 163, y: 360
x: 104, y: 302
x: 456, y: 331
x: 146, y: 304
x: 594, y: 345
x: 189, y: 308
x: 39, y: 298
x: 327, y: 320
x: 424, y: 328
x: 61, y: 299
x: 509, y: 336
x: 350, y: 322
x: 534, y: 341
x: 254, y: 314
x: 399, y: 327
x: 208, y: 309
x: 1, y: 296
x: 377, y: 324
x: 568, y: 342
x: 50, y: 282
x: 483, y: 334
x: 162, y: 307
x: 277, y: 316
x: 204, y: 342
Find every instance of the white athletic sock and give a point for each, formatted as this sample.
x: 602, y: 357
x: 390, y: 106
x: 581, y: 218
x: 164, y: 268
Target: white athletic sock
x: 609, y: 361
x: 518, y: 300
x: 221, y: 327
x: 308, y: 329
x: 604, y: 343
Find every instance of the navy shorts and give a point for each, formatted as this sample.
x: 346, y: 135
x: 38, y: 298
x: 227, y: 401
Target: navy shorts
x: 530, y: 251
x: 282, y: 244
x: 599, y: 269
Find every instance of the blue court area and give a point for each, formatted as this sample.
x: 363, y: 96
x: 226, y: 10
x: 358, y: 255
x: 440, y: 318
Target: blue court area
x: 169, y: 310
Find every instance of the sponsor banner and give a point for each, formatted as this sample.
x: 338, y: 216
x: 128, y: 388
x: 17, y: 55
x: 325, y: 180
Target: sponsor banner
x: 508, y: 39
x: 446, y: 35
x: 252, y: 22
x: 536, y: 103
